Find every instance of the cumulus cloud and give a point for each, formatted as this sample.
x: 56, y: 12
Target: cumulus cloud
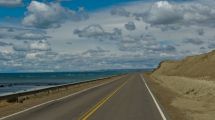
x: 211, y: 46
x: 97, y: 32
x: 172, y: 15
x: 130, y: 26
x: 10, y: 3
x: 45, y: 15
x: 21, y: 46
x: 90, y: 31
x: 41, y: 45
x: 164, y: 48
x: 120, y: 11
x: 159, y: 29
x: 147, y: 44
x: 22, y: 34
x: 194, y: 41
x: 4, y: 44
x: 200, y: 32
x: 32, y: 55
x: 163, y: 12
x: 95, y: 52
x: 18, y: 45
x: 6, y: 49
x: 79, y: 15
x: 31, y: 36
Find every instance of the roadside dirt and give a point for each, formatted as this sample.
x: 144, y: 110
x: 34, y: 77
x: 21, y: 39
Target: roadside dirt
x: 184, y: 98
x: 165, y: 98
x: 7, y: 108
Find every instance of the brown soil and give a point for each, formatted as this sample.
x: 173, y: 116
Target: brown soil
x: 186, y: 88
x: 165, y: 97
x: 198, y: 66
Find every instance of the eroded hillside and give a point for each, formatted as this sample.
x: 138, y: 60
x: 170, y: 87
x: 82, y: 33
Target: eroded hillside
x: 190, y: 83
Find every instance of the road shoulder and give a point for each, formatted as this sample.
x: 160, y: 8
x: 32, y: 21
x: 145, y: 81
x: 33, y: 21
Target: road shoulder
x: 11, y: 108
x: 165, y: 97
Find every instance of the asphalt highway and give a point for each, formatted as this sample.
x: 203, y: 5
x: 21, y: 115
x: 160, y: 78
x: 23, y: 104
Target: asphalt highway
x: 125, y: 99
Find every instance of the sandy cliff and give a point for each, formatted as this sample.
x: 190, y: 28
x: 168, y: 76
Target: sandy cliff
x: 199, y: 66
x: 192, y: 84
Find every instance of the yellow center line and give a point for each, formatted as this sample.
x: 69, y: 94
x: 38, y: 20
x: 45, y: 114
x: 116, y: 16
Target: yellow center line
x: 100, y: 103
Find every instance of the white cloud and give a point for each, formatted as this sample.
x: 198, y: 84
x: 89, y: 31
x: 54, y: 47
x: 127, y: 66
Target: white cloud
x: 29, y: 46
x: 200, y: 31
x: 163, y: 12
x: 95, y: 31
x: 31, y: 36
x: 45, y: 15
x: 195, y: 41
x: 6, y: 49
x: 108, y: 38
x: 10, y: 3
x: 4, y: 44
x: 40, y: 45
x: 130, y: 26
x: 146, y: 44
x: 120, y: 11
x: 22, y: 34
x: 90, y: 31
x: 33, y: 55
x: 95, y: 52
x: 172, y: 14
x: 21, y: 47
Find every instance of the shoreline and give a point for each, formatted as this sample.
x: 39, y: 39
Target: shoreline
x: 17, y: 102
x: 39, y: 89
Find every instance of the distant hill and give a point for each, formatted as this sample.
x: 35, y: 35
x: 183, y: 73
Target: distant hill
x: 198, y: 66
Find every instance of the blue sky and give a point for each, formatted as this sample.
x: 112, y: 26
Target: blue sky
x: 93, y: 4
x: 80, y: 35
x: 90, y: 5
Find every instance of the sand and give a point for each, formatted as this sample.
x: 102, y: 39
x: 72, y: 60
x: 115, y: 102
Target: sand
x: 186, y: 88
x: 195, y: 98
x: 198, y: 66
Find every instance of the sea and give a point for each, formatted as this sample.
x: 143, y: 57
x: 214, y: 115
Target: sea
x: 11, y: 83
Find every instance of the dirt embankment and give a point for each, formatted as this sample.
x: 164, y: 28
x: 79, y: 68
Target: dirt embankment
x: 187, y: 87
x: 199, y: 66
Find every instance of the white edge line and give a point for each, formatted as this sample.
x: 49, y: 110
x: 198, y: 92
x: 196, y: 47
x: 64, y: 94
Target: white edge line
x: 156, y: 103
x: 36, y: 106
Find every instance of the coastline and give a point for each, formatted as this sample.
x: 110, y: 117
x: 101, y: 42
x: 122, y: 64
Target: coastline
x: 14, y: 83
x: 20, y: 101
x: 50, y: 87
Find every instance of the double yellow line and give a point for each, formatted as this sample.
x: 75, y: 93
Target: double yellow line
x: 100, y: 103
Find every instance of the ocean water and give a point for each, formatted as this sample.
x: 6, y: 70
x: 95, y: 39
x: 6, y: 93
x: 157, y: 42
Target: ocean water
x: 19, y: 82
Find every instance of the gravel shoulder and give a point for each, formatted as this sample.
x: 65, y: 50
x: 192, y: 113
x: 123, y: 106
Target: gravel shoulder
x: 184, y: 98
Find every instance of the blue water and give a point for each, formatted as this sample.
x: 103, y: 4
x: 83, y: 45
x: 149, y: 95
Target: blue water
x: 19, y: 82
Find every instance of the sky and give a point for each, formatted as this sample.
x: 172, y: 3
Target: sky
x: 84, y: 35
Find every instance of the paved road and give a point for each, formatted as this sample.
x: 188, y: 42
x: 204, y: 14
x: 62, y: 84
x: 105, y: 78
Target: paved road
x: 125, y: 99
